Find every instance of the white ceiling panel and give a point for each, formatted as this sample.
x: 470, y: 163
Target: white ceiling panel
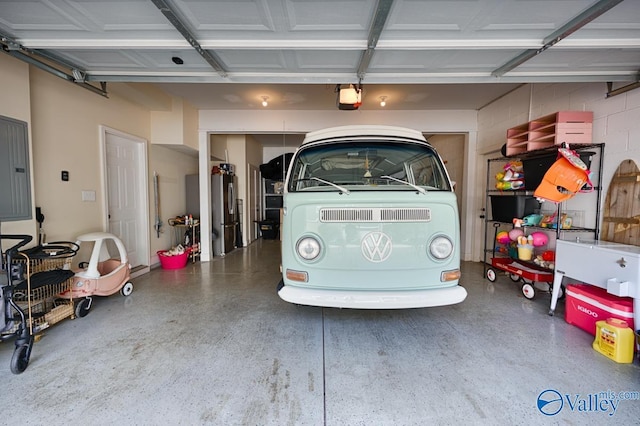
x: 379, y: 43
x: 496, y: 19
x: 330, y: 15
x: 77, y: 20
x: 343, y: 61
x: 106, y: 59
x: 227, y: 16
x: 605, y: 60
x: 439, y: 61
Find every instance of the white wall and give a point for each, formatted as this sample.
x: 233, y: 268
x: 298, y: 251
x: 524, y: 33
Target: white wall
x: 616, y: 124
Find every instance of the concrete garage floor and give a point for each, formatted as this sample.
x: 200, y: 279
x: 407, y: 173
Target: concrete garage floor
x: 213, y: 344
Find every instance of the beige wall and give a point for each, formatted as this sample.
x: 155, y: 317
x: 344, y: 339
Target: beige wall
x: 172, y: 168
x: 66, y: 120
x: 451, y: 148
x: 178, y: 126
x: 15, y: 103
x: 14, y: 86
x: 64, y: 127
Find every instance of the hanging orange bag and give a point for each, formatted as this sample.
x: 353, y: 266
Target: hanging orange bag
x: 565, y: 178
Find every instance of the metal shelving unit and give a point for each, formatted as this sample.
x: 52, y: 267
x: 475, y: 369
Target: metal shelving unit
x: 591, y: 230
x: 272, y: 200
x: 188, y: 235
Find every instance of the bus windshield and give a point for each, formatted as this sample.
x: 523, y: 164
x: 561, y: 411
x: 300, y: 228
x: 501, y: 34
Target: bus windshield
x: 367, y: 165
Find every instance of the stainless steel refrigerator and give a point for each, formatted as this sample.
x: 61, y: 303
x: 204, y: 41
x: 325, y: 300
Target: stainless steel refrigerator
x: 223, y: 208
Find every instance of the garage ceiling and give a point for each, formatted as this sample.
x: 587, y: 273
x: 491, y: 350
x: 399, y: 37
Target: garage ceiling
x: 420, y: 54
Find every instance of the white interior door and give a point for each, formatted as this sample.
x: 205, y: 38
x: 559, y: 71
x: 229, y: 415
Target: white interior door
x: 126, y: 193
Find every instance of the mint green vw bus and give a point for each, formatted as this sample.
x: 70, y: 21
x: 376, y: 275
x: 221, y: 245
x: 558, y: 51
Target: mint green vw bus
x: 370, y: 221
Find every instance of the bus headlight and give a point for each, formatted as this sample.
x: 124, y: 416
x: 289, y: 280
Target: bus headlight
x: 441, y: 247
x: 308, y: 248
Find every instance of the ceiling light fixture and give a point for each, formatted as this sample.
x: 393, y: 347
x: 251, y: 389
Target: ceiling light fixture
x: 264, y: 101
x: 383, y: 101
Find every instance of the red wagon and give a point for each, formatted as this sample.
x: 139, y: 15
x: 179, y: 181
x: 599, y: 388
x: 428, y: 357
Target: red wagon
x: 520, y: 271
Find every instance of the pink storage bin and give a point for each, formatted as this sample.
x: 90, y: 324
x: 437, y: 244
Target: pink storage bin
x: 173, y: 262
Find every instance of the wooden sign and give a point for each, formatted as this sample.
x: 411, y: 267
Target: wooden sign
x: 621, y: 221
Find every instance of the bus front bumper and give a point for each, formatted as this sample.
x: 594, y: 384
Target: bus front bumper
x: 373, y: 299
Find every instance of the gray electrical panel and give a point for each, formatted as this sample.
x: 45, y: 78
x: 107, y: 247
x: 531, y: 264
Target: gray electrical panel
x: 15, y: 184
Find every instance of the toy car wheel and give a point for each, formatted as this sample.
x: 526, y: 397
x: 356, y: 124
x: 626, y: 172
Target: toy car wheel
x: 528, y: 291
x: 20, y: 358
x: 491, y: 275
x: 514, y: 277
x: 126, y: 289
x: 83, y: 307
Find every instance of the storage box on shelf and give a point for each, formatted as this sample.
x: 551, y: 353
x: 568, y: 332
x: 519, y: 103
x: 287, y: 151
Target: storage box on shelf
x: 572, y: 127
x: 506, y: 207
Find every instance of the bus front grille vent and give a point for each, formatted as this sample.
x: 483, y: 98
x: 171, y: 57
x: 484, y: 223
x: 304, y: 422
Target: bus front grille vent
x: 373, y: 215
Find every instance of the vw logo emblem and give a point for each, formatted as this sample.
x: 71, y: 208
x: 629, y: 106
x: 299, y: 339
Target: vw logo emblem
x: 550, y: 402
x: 376, y: 247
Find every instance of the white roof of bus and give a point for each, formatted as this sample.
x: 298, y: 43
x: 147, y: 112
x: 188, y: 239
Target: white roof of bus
x: 361, y: 130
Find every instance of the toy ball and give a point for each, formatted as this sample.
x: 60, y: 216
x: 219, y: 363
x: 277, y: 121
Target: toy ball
x: 539, y: 239
x: 503, y: 237
x: 515, y: 233
x: 549, y: 255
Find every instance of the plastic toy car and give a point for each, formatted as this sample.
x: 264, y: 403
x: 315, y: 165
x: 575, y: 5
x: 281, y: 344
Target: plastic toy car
x: 100, y: 277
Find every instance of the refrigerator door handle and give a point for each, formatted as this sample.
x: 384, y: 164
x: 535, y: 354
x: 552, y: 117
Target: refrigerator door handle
x: 231, y: 198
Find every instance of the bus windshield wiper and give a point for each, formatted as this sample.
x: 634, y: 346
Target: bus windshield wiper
x: 416, y: 187
x: 345, y: 190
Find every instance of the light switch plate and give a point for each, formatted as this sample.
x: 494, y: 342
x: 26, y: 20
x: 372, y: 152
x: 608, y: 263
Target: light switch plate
x: 88, y: 195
